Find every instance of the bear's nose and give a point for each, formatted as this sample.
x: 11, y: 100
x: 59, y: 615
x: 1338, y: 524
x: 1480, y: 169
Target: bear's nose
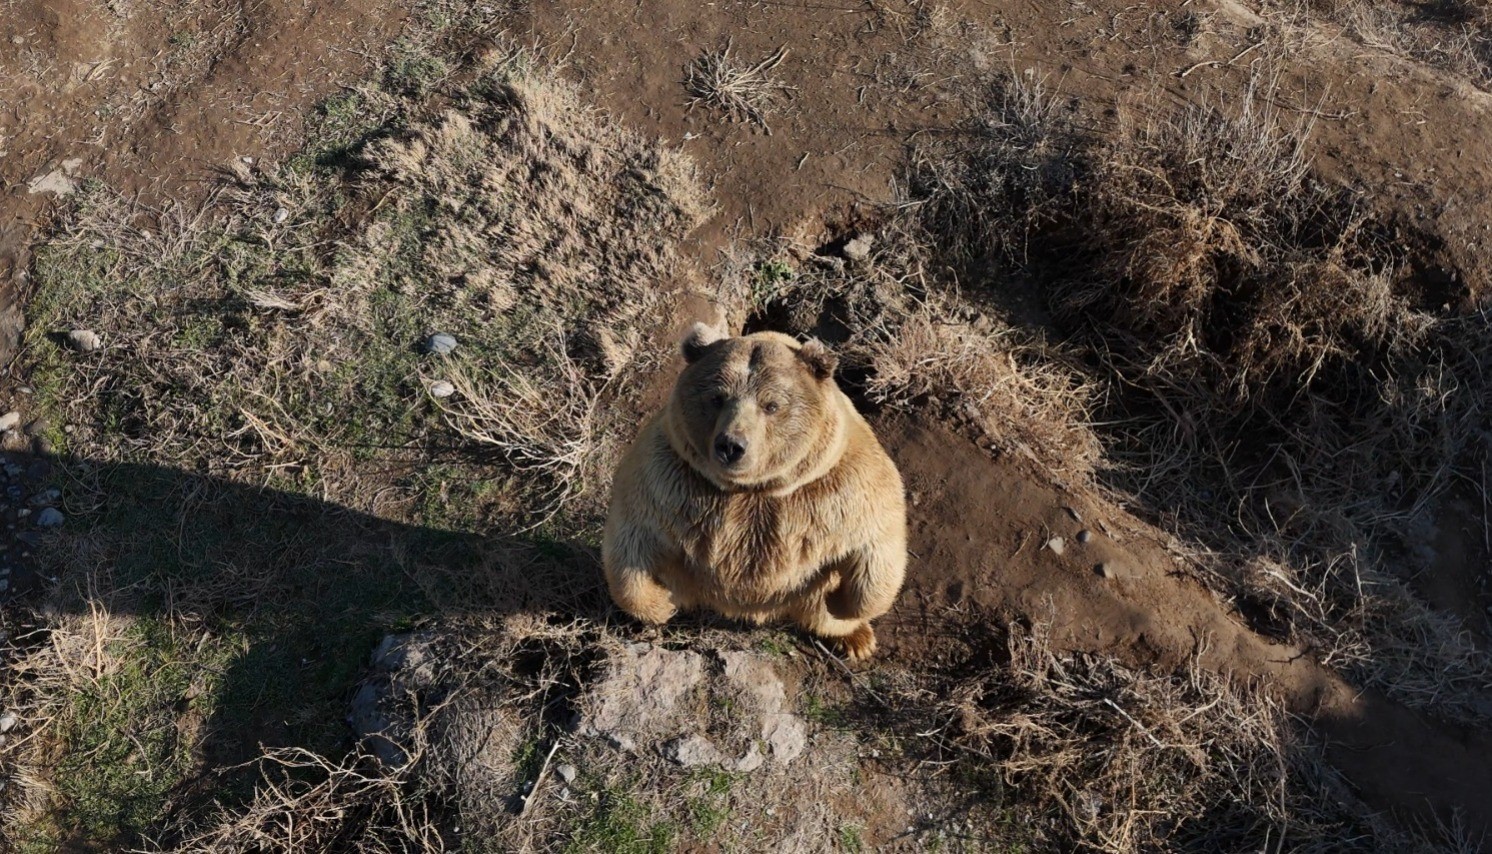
x: 729, y: 449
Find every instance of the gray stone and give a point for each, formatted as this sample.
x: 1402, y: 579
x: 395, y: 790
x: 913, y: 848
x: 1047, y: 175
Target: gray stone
x: 408, y: 654
x: 568, y: 773
x: 1057, y: 545
x: 859, y: 248
x: 51, y: 517
x: 692, y: 751
x: 84, y: 340
x: 10, y: 420
x: 8, y: 721
x: 441, y: 388
x: 641, y: 694
x: 281, y: 214
x: 440, y: 344
x: 785, y: 734
x: 369, y: 720
x: 1084, y: 536
x: 59, y: 181
x: 753, y: 760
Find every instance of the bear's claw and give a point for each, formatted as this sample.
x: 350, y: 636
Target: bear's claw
x: 859, y: 644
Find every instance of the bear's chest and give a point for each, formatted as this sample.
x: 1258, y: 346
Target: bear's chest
x: 755, y: 545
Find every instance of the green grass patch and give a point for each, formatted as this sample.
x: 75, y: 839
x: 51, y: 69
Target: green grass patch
x: 622, y: 824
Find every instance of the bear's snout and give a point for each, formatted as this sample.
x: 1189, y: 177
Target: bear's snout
x: 729, y: 449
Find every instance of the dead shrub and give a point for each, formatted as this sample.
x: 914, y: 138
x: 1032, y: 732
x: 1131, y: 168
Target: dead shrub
x: 1092, y: 755
x: 1017, y: 390
x: 739, y: 90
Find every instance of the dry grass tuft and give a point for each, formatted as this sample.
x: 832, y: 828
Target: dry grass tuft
x: 1016, y: 390
x: 286, y: 303
x: 307, y: 802
x: 740, y: 91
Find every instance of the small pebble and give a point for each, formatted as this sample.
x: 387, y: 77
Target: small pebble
x: 1107, y: 569
x: 49, y: 518
x: 84, y: 340
x: 1076, y: 516
x: 8, y: 722
x: 441, y: 388
x: 10, y: 420
x: 440, y: 344
x: 1057, y: 545
x: 1084, y: 536
x: 566, y: 772
x: 281, y: 215
x: 859, y: 248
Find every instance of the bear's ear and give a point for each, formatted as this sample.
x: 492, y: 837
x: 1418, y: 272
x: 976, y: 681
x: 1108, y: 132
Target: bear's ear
x: 700, y: 337
x: 818, y: 358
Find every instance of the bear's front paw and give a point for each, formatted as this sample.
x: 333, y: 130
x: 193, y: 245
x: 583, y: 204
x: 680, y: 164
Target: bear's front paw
x: 859, y: 644
x: 655, y: 613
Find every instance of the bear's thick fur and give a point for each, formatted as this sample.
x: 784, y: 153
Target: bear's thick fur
x: 760, y: 493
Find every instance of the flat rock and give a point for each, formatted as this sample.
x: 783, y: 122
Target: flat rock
x: 641, y: 694
x: 692, y: 751
x: 59, y: 182
x: 785, y: 734
x: 440, y: 344
x: 859, y: 248
x: 10, y: 420
x: 84, y: 340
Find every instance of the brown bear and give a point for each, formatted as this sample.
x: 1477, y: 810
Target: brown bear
x: 760, y: 493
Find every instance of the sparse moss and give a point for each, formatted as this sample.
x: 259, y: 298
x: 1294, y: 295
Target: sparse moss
x: 621, y: 824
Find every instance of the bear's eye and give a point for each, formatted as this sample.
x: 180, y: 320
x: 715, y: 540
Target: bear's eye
x: 771, y: 407
x: 717, y: 400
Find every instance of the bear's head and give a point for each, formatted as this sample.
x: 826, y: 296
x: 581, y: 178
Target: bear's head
x: 754, y: 410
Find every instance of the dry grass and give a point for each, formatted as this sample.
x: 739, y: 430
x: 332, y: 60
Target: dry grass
x: 1016, y: 390
x: 740, y: 91
x: 1270, y: 386
x: 905, y: 340
x: 258, y: 427
x: 307, y: 802
x: 1455, y: 35
x: 1127, y: 760
x: 1011, y: 745
x: 275, y: 316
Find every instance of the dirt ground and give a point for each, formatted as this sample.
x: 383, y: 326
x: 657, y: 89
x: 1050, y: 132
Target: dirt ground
x: 161, y: 100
